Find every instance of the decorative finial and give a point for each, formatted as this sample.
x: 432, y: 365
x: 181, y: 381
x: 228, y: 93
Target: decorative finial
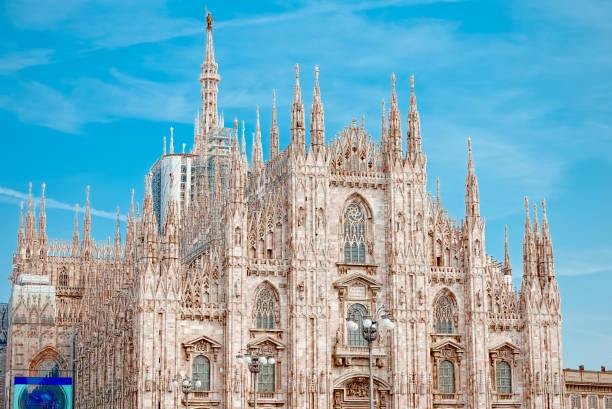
x: 316, y: 73
x: 470, y: 144
x: 393, y: 80
x: 297, y: 71
x: 412, y: 84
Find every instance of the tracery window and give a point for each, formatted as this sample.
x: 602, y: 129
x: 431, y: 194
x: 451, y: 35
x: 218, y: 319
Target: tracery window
x: 48, y: 367
x: 504, y: 378
x: 447, y: 377
x: 575, y: 402
x: 201, y: 372
x: 356, y: 312
x: 265, y: 380
x: 354, y: 234
x: 592, y: 402
x: 63, y: 279
x: 443, y: 315
x: 265, y: 309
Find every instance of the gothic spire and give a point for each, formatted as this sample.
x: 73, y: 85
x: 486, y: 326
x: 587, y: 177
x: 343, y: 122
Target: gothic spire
x: 298, y: 137
x: 87, y: 220
x: 209, y: 78
x: 273, y: 129
x: 472, y: 206
x: 529, y: 257
x: 42, y: 222
x: 21, y: 232
x: 257, y: 157
x: 395, y: 124
x: 75, y: 234
x: 414, y: 126
x: 117, y: 232
x: 507, y: 266
x: 245, y: 161
x: 30, y: 230
x: 317, y: 120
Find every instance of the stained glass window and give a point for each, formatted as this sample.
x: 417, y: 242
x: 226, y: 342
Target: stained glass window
x: 354, y: 234
x: 443, y: 315
x: 63, y: 279
x: 265, y: 309
x: 356, y: 312
x: 504, y: 378
x: 265, y: 382
x: 447, y: 377
x: 201, y: 372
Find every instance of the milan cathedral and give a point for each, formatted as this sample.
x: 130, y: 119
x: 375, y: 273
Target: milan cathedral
x: 225, y: 257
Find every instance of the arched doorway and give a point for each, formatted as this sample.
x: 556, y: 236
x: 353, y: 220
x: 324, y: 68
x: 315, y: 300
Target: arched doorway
x: 353, y: 392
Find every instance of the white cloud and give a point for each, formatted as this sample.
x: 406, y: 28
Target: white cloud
x: 14, y: 196
x: 13, y: 62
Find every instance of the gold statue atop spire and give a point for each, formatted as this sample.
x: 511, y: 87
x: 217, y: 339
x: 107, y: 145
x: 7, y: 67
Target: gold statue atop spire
x: 209, y: 20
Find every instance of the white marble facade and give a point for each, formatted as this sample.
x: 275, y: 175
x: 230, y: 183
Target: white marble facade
x: 271, y: 257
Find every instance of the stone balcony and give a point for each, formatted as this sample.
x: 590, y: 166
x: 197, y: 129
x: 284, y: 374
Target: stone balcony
x: 505, y: 400
x: 62, y: 291
x: 449, y: 400
x: 204, y: 398
x: 448, y: 275
x: 347, y: 355
x: 269, y: 398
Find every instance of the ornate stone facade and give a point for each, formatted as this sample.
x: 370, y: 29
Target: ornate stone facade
x: 272, y: 257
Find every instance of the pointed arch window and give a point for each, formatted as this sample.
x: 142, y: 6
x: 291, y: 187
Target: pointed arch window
x: 48, y: 368
x: 265, y: 306
x: 63, y: 279
x: 354, y: 234
x: 447, y: 377
x: 356, y: 312
x: 201, y: 372
x: 443, y: 315
x: 265, y: 380
x: 504, y: 378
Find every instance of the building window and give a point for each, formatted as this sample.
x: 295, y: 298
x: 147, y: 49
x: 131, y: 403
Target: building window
x: 575, y: 402
x: 592, y: 402
x: 356, y: 312
x: 48, y: 368
x: 504, y: 378
x: 354, y: 234
x: 608, y: 402
x: 201, y: 372
x: 265, y: 309
x: 265, y: 382
x: 447, y: 377
x: 444, y: 315
x: 63, y: 279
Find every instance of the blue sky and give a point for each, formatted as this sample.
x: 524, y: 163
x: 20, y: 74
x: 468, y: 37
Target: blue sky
x: 88, y: 89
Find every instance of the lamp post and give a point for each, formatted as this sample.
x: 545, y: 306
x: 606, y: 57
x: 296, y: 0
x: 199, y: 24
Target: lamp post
x: 254, y: 362
x: 369, y: 332
x: 187, y: 386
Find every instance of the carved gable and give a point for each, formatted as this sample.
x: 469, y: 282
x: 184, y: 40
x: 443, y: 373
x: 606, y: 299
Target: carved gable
x: 202, y: 346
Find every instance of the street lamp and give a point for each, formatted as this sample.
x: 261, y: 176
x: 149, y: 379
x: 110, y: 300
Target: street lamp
x: 254, y: 363
x: 187, y: 386
x: 369, y: 332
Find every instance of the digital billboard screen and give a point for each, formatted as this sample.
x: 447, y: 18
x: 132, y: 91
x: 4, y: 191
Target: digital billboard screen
x: 42, y: 393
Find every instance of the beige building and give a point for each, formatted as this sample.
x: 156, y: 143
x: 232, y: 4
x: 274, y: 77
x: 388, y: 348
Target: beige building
x: 272, y: 257
x: 588, y: 389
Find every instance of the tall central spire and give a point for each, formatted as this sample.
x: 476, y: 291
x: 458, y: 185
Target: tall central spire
x: 209, y: 78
